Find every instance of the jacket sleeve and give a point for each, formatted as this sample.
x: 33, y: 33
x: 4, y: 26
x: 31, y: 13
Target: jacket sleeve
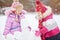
x: 7, y: 26
x: 43, y: 30
x: 23, y: 14
x: 7, y: 12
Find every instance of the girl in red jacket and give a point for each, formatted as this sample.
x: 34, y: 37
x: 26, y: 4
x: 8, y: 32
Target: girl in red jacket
x: 47, y: 25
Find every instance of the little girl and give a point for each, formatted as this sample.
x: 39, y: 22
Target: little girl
x: 13, y: 18
x: 47, y: 25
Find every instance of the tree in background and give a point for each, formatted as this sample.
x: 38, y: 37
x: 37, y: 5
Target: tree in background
x: 29, y: 5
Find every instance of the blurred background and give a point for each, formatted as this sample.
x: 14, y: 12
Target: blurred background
x: 29, y: 5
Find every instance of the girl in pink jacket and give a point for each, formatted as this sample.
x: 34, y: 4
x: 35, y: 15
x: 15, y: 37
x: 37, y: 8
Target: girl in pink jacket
x: 13, y: 18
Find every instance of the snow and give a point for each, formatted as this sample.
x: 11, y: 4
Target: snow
x: 29, y: 20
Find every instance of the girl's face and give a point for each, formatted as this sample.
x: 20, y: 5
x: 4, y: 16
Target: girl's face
x: 39, y: 12
x: 15, y: 0
x: 19, y: 8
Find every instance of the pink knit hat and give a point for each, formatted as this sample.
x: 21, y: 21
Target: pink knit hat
x: 14, y: 4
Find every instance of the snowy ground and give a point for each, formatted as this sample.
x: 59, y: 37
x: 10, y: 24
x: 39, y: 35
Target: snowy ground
x: 29, y: 20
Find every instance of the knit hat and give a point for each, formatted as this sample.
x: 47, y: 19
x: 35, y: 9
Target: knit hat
x: 14, y: 4
x: 40, y: 6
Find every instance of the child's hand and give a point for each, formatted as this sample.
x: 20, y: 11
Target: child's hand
x: 37, y: 33
x: 16, y: 20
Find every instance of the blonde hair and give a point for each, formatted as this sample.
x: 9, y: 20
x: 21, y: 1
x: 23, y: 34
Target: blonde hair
x: 18, y: 7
